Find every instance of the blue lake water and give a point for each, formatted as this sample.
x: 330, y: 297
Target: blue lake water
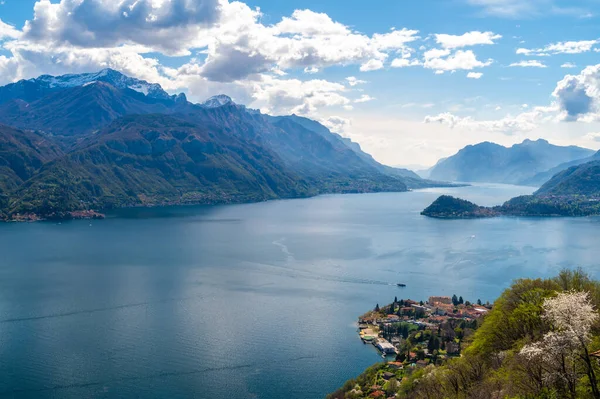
x: 247, y: 301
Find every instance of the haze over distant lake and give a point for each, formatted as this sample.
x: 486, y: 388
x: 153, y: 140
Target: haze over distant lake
x: 247, y: 301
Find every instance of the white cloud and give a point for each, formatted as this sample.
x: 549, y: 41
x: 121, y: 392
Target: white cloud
x: 526, y: 9
x: 309, y: 23
x: 371, y: 65
x: 404, y: 62
x: 435, y: 53
x: 465, y: 60
x: 353, y: 81
x: 523, y: 122
x: 235, y: 42
x: 578, y: 96
x: 336, y: 124
x: 168, y: 25
x: 364, y: 98
x: 592, y: 136
x: 395, y: 40
x: 281, y: 96
x: 468, y: 39
x: 570, y: 47
x: 528, y: 64
x: 474, y: 75
x: 416, y: 105
x: 270, y: 94
x: 8, y: 31
x: 568, y: 65
x: 506, y: 8
x: 311, y: 70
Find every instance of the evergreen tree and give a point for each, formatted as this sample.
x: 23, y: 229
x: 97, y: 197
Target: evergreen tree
x: 454, y: 300
x: 377, y: 308
x: 395, y: 299
x: 460, y: 300
x: 479, y: 302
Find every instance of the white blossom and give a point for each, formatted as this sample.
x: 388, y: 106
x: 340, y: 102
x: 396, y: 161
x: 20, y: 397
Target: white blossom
x: 570, y: 316
x: 571, y: 312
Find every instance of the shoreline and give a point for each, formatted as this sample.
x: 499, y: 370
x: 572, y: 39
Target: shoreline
x: 102, y: 213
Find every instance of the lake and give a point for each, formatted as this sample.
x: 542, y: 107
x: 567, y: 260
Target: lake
x: 247, y: 301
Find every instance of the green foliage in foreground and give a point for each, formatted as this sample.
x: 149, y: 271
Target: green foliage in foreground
x: 535, y: 343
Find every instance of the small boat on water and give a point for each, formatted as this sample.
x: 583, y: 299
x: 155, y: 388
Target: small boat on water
x: 401, y: 285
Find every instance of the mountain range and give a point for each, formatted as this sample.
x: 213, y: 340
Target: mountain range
x: 102, y: 140
x: 527, y: 163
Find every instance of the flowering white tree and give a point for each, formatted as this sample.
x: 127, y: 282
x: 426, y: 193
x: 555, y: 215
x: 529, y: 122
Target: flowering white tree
x: 570, y: 316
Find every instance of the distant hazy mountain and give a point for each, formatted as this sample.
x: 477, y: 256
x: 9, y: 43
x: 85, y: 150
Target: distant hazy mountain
x: 541, y: 178
x: 493, y: 163
x: 411, y: 179
x: 103, y: 140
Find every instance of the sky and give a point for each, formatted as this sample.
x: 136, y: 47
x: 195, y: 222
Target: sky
x: 412, y: 81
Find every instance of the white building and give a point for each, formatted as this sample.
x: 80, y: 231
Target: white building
x: 385, y: 347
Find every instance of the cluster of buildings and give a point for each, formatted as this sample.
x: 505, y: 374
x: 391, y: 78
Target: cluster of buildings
x: 431, y: 315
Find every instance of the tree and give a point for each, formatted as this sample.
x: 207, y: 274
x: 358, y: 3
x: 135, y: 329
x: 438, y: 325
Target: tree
x: 391, y: 308
x: 467, y: 303
x: 460, y: 300
x: 563, y: 351
x: 377, y: 308
x: 479, y: 302
x: 454, y: 300
x: 433, y: 344
x: 395, y: 299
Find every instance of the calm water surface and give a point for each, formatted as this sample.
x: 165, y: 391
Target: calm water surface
x: 246, y: 301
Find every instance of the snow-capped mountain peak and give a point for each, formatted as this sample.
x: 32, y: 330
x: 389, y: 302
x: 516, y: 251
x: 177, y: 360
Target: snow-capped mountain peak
x: 110, y: 76
x: 218, y: 101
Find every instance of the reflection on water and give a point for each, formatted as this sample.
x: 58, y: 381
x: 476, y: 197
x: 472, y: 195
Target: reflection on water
x: 252, y: 301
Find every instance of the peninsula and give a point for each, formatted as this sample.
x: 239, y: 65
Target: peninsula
x: 573, y: 192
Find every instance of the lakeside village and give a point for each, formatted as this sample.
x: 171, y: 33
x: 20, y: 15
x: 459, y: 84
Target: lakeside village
x: 416, y: 334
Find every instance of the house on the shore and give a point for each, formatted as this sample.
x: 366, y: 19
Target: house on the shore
x: 385, y: 347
